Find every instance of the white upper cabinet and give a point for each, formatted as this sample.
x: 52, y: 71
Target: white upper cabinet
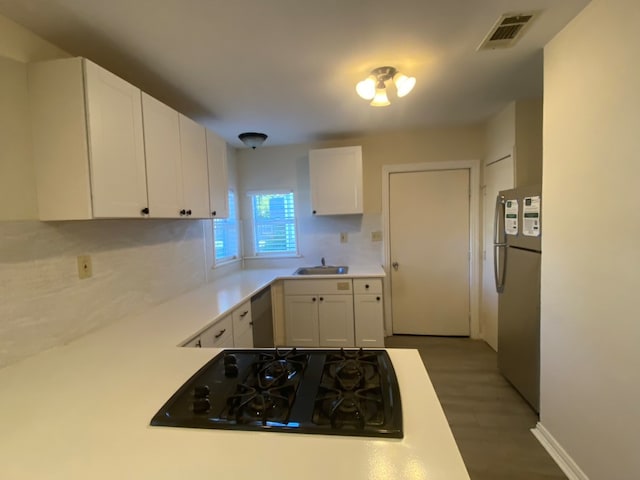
x: 218, y: 181
x: 88, y: 142
x: 336, y: 180
x: 176, y: 162
x: 195, y: 177
x: 164, y: 170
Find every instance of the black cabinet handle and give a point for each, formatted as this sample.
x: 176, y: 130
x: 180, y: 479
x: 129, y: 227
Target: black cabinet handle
x: 314, y: 212
x: 182, y: 212
x: 244, y: 314
x: 366, y: 286
x: 199, y: 343
x: 213, y: 213
x: 321, y: 299
x: 221, y: 333
x: 313, y: 299
x: 145, y: 211
x: 189, y: 212
x: 378, y: 298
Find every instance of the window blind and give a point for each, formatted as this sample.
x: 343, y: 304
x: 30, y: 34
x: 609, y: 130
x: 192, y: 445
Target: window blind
x: 274, y: 224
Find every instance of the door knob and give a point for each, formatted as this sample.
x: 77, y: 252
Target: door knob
x: 395, y: 266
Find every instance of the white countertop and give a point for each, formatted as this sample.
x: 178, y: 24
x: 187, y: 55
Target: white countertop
x: 82, y: 410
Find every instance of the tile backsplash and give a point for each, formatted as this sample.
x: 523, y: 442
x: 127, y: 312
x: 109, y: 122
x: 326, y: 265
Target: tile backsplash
x: 136, y: 264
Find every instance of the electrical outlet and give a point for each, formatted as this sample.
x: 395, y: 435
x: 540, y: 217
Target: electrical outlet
x: 376, y: 236
x: 84, y: 267
x: 344, y: 237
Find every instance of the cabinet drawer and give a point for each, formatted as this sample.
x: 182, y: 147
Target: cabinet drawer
x: 241, y: 319
x: 193, y: 343
x: 367, y: 285
x: 316, y: 287
x: 219, y: 335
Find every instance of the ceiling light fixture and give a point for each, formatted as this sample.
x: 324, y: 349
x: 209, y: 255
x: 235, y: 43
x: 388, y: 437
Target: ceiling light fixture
x: 252, y: 139
x: 373, y: 87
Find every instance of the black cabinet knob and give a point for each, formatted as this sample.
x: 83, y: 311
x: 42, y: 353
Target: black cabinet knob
x: 214, y: 213
x: 321, y: 299
x: 201, y: 391
x: 182, y: 212
x: 314, y: 212
x: 201, y: 405
x: 366, y: 286
x: 145, y: 211
x: 313, y: 299
x: 189, y: 212
x: 378, y: 298
x: 231, y: 370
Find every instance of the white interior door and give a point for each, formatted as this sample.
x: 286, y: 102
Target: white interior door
x: 497, y: 176
x: 429, y: 245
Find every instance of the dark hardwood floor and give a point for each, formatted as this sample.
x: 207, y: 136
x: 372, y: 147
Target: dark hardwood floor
x: 488, y: 418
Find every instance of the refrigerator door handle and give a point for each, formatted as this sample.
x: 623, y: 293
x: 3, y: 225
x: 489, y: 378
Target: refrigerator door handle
x: 499, y: 235
x: 499, y: 241
x: 498, y: 268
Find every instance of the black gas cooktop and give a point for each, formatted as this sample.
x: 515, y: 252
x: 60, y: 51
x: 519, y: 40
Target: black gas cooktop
x: 335, y: 392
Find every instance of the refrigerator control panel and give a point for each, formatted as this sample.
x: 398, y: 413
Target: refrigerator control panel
x: 511, y: 217
x: 531, y: 217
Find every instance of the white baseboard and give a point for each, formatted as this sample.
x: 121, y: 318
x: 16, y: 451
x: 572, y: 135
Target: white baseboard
x: 559, y: 455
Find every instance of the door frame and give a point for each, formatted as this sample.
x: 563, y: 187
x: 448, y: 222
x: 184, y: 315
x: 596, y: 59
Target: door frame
x: 475, y: 279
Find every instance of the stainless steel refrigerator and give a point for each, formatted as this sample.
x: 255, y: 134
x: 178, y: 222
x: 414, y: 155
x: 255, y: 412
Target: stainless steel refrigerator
x: 517, y: 255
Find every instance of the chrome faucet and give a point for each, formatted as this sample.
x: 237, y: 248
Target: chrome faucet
x: 322, y: 262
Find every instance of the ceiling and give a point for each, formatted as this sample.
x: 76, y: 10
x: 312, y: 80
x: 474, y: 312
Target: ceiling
x: 288, y: 68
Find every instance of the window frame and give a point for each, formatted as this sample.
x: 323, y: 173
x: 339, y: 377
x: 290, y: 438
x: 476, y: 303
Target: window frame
x: 232, y: 217
x: 293, y: 222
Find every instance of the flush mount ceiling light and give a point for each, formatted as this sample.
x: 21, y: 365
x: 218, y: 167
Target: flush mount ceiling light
x: 252, y: 139
x: 373, y: 87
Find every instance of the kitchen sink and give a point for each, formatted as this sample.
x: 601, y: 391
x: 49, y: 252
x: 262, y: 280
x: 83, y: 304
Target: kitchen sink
x: 322, y: 270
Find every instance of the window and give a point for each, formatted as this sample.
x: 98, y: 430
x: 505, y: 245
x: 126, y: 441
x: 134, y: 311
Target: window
x: 225, y: 234
x: 274, y: 224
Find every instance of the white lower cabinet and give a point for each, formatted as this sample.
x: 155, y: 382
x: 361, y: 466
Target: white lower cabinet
x: 319, y: 313
x: 242, y: 326
x: 368, y: 312
x: 234, y: 330
x: 219, y: 335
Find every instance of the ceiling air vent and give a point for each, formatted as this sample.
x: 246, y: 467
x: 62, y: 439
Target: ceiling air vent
x: 508, y: 30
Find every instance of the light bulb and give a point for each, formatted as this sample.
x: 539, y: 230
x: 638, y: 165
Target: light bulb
x: 403, y: 83
x: 367, y: 88
x: 380, y: 99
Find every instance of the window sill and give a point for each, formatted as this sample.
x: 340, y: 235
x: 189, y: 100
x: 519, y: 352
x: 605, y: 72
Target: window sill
x: 224, y: 263
x: 263, y: 257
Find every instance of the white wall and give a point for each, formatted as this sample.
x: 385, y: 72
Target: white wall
x: 288, y: 167
x: 590, y: 385
x: 136, y: 263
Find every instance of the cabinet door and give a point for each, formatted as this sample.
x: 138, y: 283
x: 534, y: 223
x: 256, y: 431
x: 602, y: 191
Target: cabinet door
x: 245, y: 340
x: 164, y: 171
x: 242, y: 326
x: 369, y: 316
x: 116, y: 144
x: 218, y: 182
x: 193, y: 343
x: 335, y: 320
x: 219, y: 335
x: 301, y: 320
x: 195, y: 179
x: 336, y: 180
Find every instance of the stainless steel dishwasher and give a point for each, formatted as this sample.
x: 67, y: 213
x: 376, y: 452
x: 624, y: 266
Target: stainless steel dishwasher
x: 262, y: 319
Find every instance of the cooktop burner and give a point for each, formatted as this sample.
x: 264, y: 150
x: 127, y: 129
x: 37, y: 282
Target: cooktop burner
x: 336, y: 392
